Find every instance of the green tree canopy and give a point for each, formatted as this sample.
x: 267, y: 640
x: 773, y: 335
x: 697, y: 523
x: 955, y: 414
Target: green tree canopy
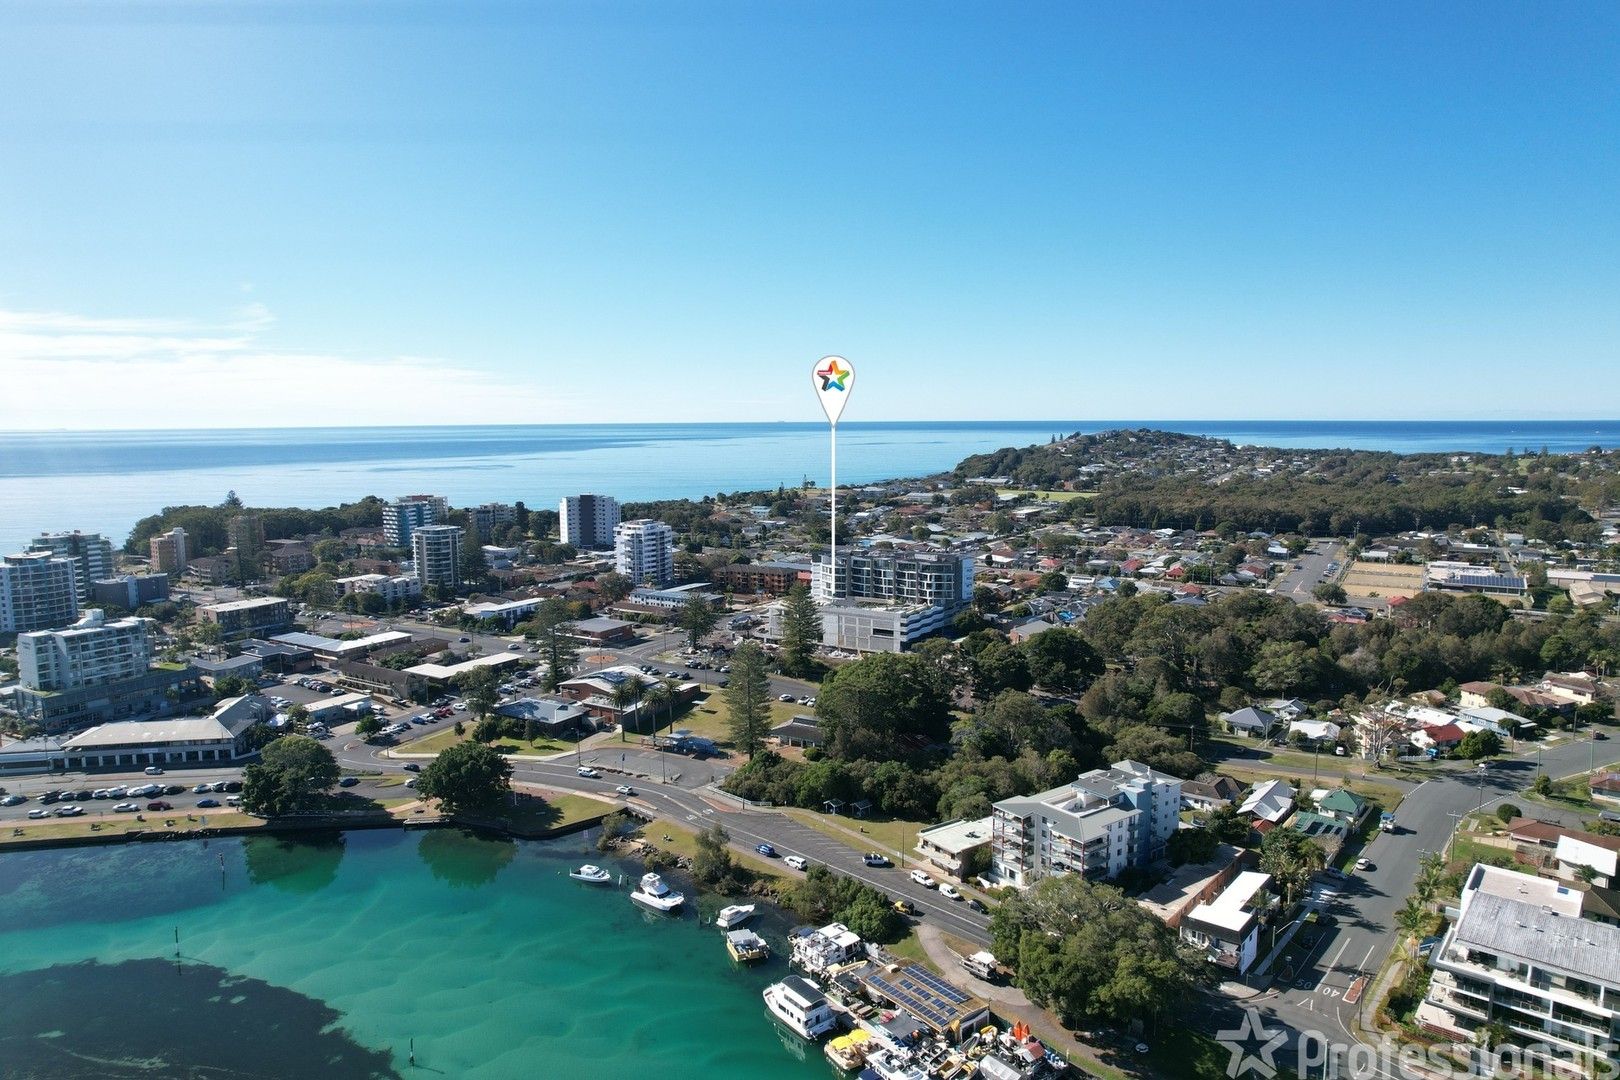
x: 1086, y: 950
x: 801, y: 633
x: 290, y: 777
x: 867, y: 707
x: 748, y: 696
x: 467, y: 776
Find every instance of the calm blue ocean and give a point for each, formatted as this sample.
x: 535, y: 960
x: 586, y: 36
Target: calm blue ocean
x: 105, y: 481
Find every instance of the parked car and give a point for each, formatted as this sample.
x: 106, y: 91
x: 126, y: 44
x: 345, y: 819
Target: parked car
x: 766, y: 850
x: 159, y: 804
x: 588, y: 772
x: 977, y: 905
x: 905, y: 907
x: 1365, y: 864
x: 233, y: 785
x: 153, y: 770
x: 71, y: 810
x: 169, y: 789
x: 348, y: 781
x: 922, y: 878
x: 207, y: 804
x: 872, y: 858
x: 412, y: 766
x: 949, y: 891
x: 198, y: 789
x: 784, y: 697
x: 625, y: 789
x: 13, y: 800
x: 39, y: 812
x: 796, y: 861
x: 233, y: 800
x: 127, y: 807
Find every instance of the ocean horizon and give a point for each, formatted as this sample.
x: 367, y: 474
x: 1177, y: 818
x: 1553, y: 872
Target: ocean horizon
x: 105, y: 481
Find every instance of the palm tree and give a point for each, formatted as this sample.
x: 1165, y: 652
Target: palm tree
x: 626, y: 696
x: 659, y: 697
x: 1413, y: 919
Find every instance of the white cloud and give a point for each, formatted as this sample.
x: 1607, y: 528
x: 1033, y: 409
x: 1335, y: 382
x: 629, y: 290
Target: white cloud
x: 73, y: 371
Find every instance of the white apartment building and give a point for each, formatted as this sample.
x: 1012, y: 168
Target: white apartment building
x: 1521, y: 954
x: 1104, y: 821
x: 437, y: 551
x: 588, y: 522
x: 405, y: 515
x: 170, y: 551
x: 883, y: 601
x: 91, y: 652
x: 92, y: 556
x: 644, y: 552
x: 38, y: 591
x: 401, y: 589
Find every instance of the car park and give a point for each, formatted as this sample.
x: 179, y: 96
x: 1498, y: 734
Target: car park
x: 873, y: 858
x: 797, y: 862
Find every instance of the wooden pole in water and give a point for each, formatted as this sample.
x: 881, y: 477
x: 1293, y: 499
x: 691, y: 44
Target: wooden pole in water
x: 413, y: 1049
x: 177, y: 943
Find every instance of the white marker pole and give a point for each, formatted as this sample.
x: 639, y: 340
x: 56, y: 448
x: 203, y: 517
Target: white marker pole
x: 833, y: 379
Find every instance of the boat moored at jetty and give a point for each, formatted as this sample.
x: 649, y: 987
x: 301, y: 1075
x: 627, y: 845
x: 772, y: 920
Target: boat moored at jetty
x: 800, y: 1004
x: 594, y: 875
x: 745, y: 946
x: 734, y: 915
x: 848, y: 1052
x: 654, y: 895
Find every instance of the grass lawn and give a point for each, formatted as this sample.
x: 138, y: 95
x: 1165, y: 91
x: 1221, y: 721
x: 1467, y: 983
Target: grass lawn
x: 1570, y: 793
x: 60, y: 828
x: 1387, y: 796
x: 446, y: 737
x: 1049, y: 496
x: 1465, y: 853
x: 894, y: 836
x: 711, y: 718
x: 551, y: 810
x: 680, y: 840
x: 1178, y: 1050
x: 911, y: 948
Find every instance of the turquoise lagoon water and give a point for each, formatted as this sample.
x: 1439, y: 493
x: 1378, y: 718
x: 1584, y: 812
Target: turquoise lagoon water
x: 327, y: 958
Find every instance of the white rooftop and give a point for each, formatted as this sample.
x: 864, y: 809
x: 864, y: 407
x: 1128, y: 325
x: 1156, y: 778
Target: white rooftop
x: 450, y: 671
x: 179, y: 729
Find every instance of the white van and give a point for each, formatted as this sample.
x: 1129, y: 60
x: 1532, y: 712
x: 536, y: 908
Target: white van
x: 153, y: 770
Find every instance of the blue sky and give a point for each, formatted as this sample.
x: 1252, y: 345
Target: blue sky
x: 261, y: 214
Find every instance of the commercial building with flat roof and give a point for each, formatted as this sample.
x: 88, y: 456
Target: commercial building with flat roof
x: 1523, y: 955
x: 38, y: 591
x: 92, y: 556
x: 436, y: 550
x: 948, y: 845
x: 91, y: 652
x: 586, y: 522
x: 179, y: 740
x: 130, y: 591
x: 259, y: 617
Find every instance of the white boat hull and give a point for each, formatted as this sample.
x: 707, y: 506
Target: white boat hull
x: 661, y: 904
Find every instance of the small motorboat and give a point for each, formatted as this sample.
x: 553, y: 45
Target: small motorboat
x: 734, y: 915
x: 745, y: 946
x: 654, y: 895
x: 593, y: 874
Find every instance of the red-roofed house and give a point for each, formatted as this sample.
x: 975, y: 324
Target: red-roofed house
x: 1440, y: 737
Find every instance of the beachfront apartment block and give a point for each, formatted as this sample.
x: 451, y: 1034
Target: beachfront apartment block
x: 1522, y: 954
x: 406, y: 514
x: 436, y: 550
x: 644, y: 552
x: 92, y: 556
x: 488, y: 517
x: 91, y: 652
x: 170, y: 551
x: 587, y: 522
x: 1102, y: 822
x: 258, y: 617
x: 38, y: 591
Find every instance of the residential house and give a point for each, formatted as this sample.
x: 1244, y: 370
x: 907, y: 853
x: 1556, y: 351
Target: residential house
x: 1228, y: 927
x: 952, y: 846
x: 1250, y: 722
x: 1210, y: 791
x: 1270, y: 802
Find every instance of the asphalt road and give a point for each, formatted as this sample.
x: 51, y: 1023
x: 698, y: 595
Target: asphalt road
x: 1365, y: 906
x: 1299, y: 581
